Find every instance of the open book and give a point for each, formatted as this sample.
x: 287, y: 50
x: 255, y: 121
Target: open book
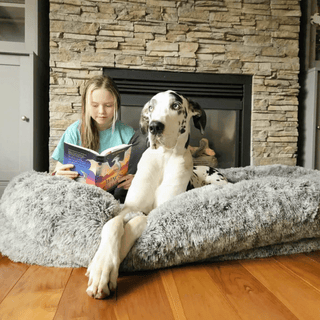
x: 102, y: 170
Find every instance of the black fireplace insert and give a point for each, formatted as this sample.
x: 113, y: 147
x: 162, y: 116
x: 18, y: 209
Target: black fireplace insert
x: 226, y: 99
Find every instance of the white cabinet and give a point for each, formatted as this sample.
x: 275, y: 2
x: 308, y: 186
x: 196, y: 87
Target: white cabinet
x: 23, y: 90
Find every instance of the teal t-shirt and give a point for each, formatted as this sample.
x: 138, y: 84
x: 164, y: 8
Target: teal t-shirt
x: 122, y: 134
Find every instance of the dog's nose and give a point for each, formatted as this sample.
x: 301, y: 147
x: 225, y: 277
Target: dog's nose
x: 156, y: 127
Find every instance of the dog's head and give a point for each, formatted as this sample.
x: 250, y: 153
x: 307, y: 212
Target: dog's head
x: 166, y: 118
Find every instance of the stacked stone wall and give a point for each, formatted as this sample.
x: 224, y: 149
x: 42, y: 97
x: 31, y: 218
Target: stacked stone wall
x: 252, y: 37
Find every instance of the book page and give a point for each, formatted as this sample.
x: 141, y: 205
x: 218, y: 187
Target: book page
x: 83, y: 148
x: 113, y: 149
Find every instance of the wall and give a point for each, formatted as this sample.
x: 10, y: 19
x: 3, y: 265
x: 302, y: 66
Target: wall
x: 253, y: 37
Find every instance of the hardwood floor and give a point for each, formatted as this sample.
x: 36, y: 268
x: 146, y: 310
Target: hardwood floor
x: 273, y: 288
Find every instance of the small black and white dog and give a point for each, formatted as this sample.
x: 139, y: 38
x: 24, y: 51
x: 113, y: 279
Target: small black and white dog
x: 204, y: 175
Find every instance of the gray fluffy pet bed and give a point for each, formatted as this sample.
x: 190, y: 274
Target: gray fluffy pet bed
x: 264, y: 211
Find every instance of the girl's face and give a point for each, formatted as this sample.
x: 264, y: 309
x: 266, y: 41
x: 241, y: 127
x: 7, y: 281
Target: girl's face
x: 101, y: 108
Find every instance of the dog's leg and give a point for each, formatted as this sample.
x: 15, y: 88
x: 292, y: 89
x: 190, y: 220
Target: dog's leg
x: 118, y: 238
x: 116, y: 242
x: 132, y: 232
x: 177, y: 175
x: 103, y: 270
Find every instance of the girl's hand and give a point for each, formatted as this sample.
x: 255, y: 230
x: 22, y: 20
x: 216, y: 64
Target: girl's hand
x: 64, y: 170
x: 125, y: 181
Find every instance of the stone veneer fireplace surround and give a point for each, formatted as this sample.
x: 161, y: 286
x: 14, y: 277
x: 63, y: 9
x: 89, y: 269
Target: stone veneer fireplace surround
x: 256, y: 38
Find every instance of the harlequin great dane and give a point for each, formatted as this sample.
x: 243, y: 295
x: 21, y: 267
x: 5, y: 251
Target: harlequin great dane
x: 164, y: 171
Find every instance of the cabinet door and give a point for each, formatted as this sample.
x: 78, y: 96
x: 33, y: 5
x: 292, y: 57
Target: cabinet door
x: 18, y: 25
x: 16, y: 135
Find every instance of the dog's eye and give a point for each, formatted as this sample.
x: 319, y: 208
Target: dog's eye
x: 175, y: 106
x: 151, y: 108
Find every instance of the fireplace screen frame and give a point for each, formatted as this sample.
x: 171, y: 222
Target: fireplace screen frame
x: 211, y: 91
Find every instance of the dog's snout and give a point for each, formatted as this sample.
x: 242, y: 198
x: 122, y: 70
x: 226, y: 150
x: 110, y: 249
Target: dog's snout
x: 156, y: 127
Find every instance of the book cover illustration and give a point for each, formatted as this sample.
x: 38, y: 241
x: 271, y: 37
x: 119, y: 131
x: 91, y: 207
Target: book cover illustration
x: 102, y: 170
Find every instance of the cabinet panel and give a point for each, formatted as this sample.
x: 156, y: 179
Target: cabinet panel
x: 9, y: 124
x: 18, y: 26
x: 12, y: 21
x: 16, y: 135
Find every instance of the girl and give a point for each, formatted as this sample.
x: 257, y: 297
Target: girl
x: 98, y: 129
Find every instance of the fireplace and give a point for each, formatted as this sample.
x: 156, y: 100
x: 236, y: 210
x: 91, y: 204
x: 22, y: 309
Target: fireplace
x: 221, y: 45
x: 225, y: 98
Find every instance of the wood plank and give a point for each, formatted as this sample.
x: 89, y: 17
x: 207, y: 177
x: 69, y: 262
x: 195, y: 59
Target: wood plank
x: 142, y: 296
x: 314, y: 255
x: 76, y: 304
x: 172, y: 294
x: 298, y: 296
x: 305, y: 267
x: 36, y: 295
x: 250, y: 298
x: 200, y: 296
x: 10, y: 273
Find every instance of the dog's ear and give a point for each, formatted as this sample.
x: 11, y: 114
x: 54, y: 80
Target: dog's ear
x: 200, y: 117
x: 144, y: 118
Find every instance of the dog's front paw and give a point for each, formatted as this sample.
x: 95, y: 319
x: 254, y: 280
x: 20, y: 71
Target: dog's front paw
x: 103, y: 274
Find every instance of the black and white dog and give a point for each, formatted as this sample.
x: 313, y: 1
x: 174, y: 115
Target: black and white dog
x: 164, y: 171
x: 204, y: 175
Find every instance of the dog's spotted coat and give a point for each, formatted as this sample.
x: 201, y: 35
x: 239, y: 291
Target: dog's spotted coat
x: 204, y: 175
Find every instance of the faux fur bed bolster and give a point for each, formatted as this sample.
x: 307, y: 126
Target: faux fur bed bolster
x: 264, y: 211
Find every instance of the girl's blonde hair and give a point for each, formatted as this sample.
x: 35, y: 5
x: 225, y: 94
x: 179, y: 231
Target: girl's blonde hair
x: 89, y: 132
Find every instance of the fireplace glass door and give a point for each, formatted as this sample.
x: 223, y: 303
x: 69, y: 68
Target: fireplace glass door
x: 221, y: 131
x: 225, y: 100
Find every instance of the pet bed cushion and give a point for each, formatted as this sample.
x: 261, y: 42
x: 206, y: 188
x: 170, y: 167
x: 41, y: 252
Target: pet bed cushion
x: 263, y: 211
